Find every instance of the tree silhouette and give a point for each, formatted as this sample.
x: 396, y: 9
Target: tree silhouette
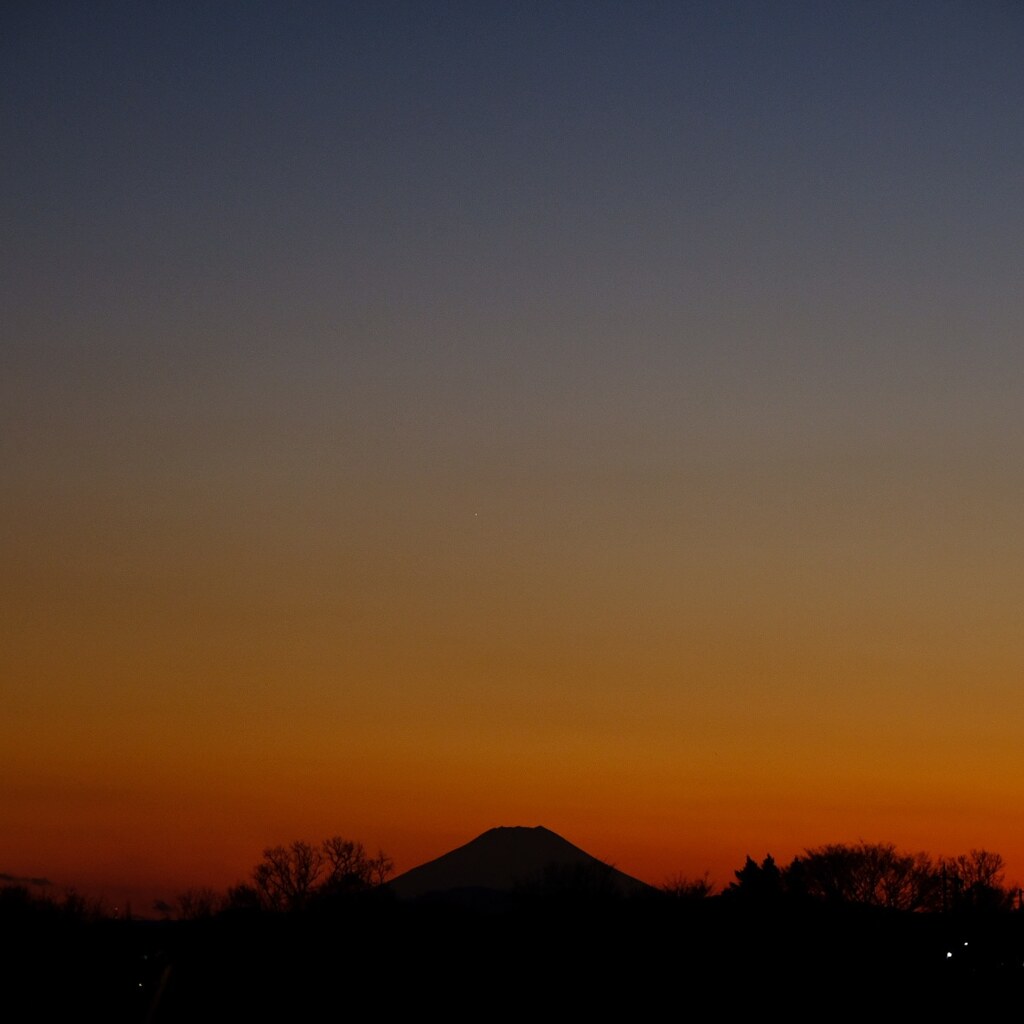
x: 198, y: 903
x: 868, y: 874
x: 974, y: 881
x: 682, y: 887
x: 290, y: 877
x: 757, y: 883
x: 350, y: 868
x: 287, y: 875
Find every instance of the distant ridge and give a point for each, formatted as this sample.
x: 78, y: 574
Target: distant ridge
x: 503, y: 858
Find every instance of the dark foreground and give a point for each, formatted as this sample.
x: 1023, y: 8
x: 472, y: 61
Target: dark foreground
x: 640, y: 958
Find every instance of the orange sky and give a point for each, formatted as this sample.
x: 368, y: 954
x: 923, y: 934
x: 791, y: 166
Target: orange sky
x: 599, y: 419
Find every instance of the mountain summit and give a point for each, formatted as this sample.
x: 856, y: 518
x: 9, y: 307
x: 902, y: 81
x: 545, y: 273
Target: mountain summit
x: 502, y: 859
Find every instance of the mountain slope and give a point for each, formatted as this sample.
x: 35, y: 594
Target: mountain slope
x: 503, y: 858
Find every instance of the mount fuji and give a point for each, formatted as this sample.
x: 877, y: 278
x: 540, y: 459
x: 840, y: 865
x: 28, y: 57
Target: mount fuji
x: 506, y: 858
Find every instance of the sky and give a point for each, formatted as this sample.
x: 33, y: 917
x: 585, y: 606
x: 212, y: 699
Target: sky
x: 421, y: 417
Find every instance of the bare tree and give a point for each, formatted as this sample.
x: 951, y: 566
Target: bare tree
x: 870, y: 874
x: 289, y: 877
x: 351, y: 868
x: 684, y: 888
x: 198, y: 903
x: 974, y: 881
x: 242, y: 898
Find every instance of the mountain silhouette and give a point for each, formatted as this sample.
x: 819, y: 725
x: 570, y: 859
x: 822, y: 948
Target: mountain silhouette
x: 513, y: 857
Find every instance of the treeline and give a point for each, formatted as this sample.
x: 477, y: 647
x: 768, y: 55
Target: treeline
x: 304, y: 876
x: 22, y: 902
x: 301, y: 876
x: 311, y: 921
x: 868, y: 875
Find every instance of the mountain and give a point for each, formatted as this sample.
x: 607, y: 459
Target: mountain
x: 506, y: 858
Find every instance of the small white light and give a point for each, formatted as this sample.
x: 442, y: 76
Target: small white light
x: 948, y: 955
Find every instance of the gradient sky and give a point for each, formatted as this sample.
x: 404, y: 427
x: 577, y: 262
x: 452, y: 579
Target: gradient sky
x: 420, y: 417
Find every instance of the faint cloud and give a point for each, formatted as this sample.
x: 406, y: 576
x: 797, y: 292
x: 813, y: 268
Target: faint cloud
x: 19, y: 880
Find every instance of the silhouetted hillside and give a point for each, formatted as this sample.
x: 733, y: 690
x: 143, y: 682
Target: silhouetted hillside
x: 505, y: 859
